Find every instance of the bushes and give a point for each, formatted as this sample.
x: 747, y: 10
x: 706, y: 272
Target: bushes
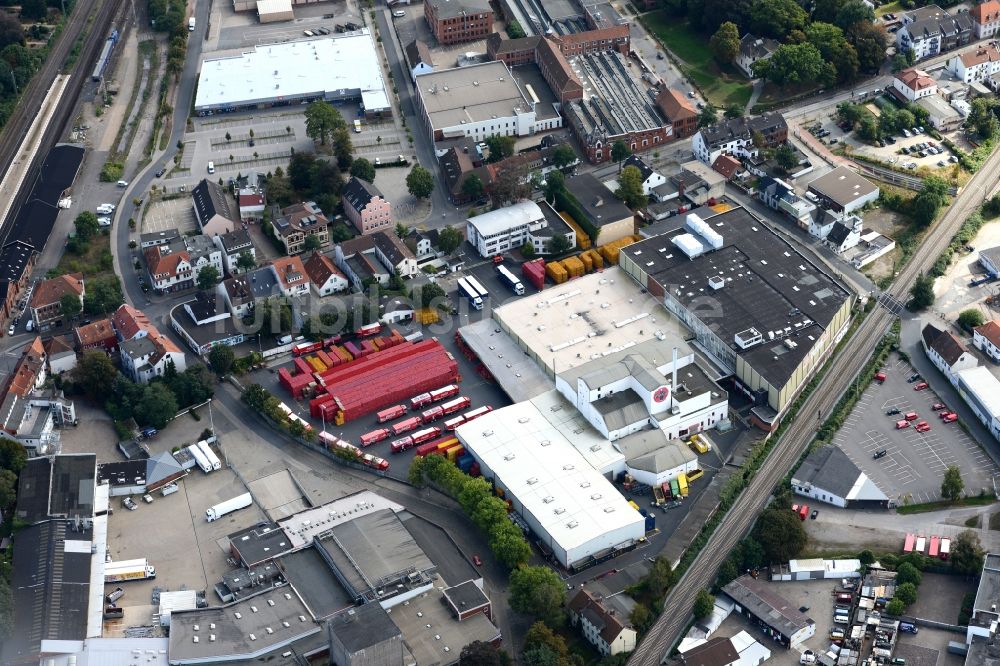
x: 962, y: 237
x: 112, y: 172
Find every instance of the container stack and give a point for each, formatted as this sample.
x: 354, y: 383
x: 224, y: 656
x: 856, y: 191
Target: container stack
x: 582, y: 239
x: 534, y: 272
x: 574, y: 267
x: 310, y: 370
x: 556, y: 272
x: 610, y: 251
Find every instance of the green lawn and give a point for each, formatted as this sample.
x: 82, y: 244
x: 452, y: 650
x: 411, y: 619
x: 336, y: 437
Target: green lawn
x: 720, y: 85
x: 890, y: 8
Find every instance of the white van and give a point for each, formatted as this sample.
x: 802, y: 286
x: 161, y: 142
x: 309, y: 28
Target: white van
x: 191, y: 24
x: 211, y: 167
x: 122, y: 183
x: 398, y: 14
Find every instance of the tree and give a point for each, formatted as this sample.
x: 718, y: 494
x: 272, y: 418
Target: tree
x: 400, y: 230
x: 776, y: 18
x: 11, y: 31
x: 479, y: 653
x: 866, y: 557
x: 896, y: 607
x: 869, y: 129
x: 907, y: 573
x: 795, y: 64
x: 8, y: 488
x: 312, y: 242
x: 907, y: 593
x: 449, y: 239
x: 952, y: 485
x: 933, y: 194
x: 208, y: 277
x: 69, y: 305
x: 221, y: 358
x: 343, y: 148
x: 540, y: 637
x: 363, y: 169
x: 509, y: 546
x: 13, y: 455
x: 870, y: 41
x: 86, y: 226
x: 559, y: 245
x: 563, y: 156
x: 245, y: 261
x: 708, y: 115
x: 630, y: 189
x: 853, y: 12
x: 922, y: 292
x: 733, y: 111
x: 537, y: 591
x: 725, y: 43
x: 321, y: 120
x: 967, y: 554
x: 500, y: 147
x: 704, y: 603
x: 424, y: 295
x: 835, y: 49
x: 786, y: 157
x: 157, y: 407
x: 620, y: 152
x: 94, y: 373
x: 33, y: 9
x: 420, y: 182
x: 780, y: 533
x: 555, y: 182
x: 514, y: 30
x: 970, y: 318
x: 472, y: 186
x: 641, y: 617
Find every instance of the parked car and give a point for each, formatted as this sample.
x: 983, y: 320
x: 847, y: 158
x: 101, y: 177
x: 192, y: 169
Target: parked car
x: 923, y: 426
x: 147, y: 498
x: 912, y: 378
x: 478, y: 561
x: 159, y: 174
x: 129, y: 504
x: 892, y: 412
x: 815, y: 512
x: 882, y: 452
x: 920, y: 387
x: 950, y: 417
x: 938, y: 406
x: 902, y: 424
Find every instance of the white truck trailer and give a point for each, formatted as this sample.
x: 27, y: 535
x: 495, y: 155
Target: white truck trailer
x: 210, y: 454
x: 126, y: 570
x: 200, y: 458
x: 230, y: 505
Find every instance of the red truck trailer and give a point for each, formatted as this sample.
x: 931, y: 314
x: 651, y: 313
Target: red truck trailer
x: 425, y: 435
x: 432, y: 414
x: 370, y: 438
x: 406, y: 425
x: 368, y: 330
x: 390, y: 413
x: 306, y: 348
x: 451, y: 424
x: 455, y: 405
x: 444, y: 392
x: 402, y: 444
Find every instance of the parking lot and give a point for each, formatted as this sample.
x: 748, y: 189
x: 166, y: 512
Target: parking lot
x: 169, y: 214
x: 242, y: 29
x: 914, y: 463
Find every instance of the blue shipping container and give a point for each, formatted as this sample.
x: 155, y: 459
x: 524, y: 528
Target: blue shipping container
x: 650, y: 523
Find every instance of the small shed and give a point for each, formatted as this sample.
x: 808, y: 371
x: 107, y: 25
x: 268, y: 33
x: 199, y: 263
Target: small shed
x: 272, y: 11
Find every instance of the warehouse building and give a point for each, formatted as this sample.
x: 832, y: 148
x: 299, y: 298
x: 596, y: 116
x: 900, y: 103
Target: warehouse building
x: 600, y: 208
x: 776, y: 616
x: 981, y: 391
x: 756, y: 306
x: 828, y: 475
x: 844, y: 191
x: 573, y: 511
x: 337, y: 68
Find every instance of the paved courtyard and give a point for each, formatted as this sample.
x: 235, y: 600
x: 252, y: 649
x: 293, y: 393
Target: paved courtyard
x: 169, y: 214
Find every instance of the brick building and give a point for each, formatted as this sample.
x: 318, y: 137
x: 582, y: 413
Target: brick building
x: 454, y: 21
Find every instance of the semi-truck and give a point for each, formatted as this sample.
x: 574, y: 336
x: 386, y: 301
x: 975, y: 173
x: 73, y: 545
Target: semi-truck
x: 213, y: 459
x: 374, y: 436
x: 510, y: 280
x: 470, y: 293
x: 200, y: 458
x: 406, y: 425
x: 390, y: 413
x: 478, y: 286
x: 230, y: 505
x: 127, y: 570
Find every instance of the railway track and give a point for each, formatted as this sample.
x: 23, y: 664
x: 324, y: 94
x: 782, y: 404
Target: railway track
x: 844, y: 368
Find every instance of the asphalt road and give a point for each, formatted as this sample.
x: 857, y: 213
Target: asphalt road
x: 841, y: 372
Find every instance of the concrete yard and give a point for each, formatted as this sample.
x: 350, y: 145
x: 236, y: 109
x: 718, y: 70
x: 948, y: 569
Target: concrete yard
x: 170, y: 214
x: 912, y: 469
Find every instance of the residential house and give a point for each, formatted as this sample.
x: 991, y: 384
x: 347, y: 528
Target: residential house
x: 779, y: 195
x: 989, y: 259
x: 735, y: 136
x: 17, y: 258
x: 678, y: 111
x: 130, y: 323
x: 738, y: 650
x: 252, y: 203
x: 843, y: 190
x: 650, y: 178
x: 930, y: 30
x: 241, y: 292
x: 202, y: 251
x: 366, y: 207
x: 60, y: 354
x: 726, y: 165
x: 168, y: 271
x: 985, y: 18
x: 359, y: 261
x: 986, y: 338
x: 212, y: 209
x: 27, y: 415
x: 600, y: 209
x: 154, y: 238
x: 942, y: 116
x: 324, y: 275
x: 292, y: 278
x: 205, y: 322
x: 149, y: 356
x: 912, y: 84
x: 947, y: 352
x: 98, y: 334
x: 844, y: 234
x: 421, y: 243
x: 46, y: 299
x: 394, y: 254
x: 977, y: 64
x: 696, y: 183
x: 458, y: 163
x: 232, y: 245
x: 754, y: 49
x: 418, y: 57
x: 605, y: 630
x: 299, y: 222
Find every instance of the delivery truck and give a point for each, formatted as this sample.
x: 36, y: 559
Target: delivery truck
x: 510, y: 279
x: 200, y: 458
x: 230, y: 505
x: 128, y: 570
x: 213, y: 459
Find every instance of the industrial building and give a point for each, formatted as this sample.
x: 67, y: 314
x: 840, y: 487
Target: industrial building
x: 506, y: 229
x: 600, y: 208
x: 756, y: 306
x: 776, y: 616
x: 844, y: 191
x: 454, y: 21
x: 336, y: 68
x: 828, y: 475
x: 573, y: 510
x: 981, y: 391
x: 984, y: 617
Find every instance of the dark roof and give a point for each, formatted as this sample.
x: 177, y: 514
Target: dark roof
x: 221, y: 329
x: 455, y: 8
x: 755, y: 48
x: 259, y: 542
x: 714, y: 652
x: 638, y: 163
x: 205, y: 305
x: 359, y: 192
x: 770, y: 287
x: 310, y: 575
x: 363, y: 627
x: 14, y: 260
x: 757, y: 596
x: 500, y: 45
x: 944, y: 343
x: 210, y: 199
x: 466, y: 596
x: 608, y: 625
x: 50, y: 583
x: 596, y: 200
x: 236, y: 241
x: 37, y: 217
x: 742, y: 128
x: 57, y: 486
x: 830, y: 469
x: 123, y: 473
x: 417, y: 52
x: 839, y: 233
x: 392, y: 247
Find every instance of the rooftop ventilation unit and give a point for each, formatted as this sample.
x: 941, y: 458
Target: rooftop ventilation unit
x: 748, y: 338
x: 716, y: 282
x: 571, y: 524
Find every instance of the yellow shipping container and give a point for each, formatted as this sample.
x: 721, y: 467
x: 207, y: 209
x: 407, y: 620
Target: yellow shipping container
x: 596, y: 258
x: 611, y: 250
x: 573, y: 266
x: 428, y: 316
x: 588, y: 263
x: 582, y: 239
x: 556, y: 272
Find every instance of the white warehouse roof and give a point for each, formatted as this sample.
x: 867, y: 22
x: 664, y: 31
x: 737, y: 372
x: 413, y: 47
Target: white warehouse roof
x: 571, y: 506
x: 503, y: 220
x: 336, y: 67
x: 984, y: 386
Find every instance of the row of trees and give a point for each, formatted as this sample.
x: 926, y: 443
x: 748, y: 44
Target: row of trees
x: 13, y: 458
x: 891, y: 121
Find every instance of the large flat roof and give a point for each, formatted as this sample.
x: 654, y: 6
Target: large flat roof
x: 338, y: 66
x: 519, y: 376
x: 432, y: 634
x: 759, y: 598
x: 578, y: 321
x: 504, y: 219
x: 843, y: 185
x: 984, y: 387
x: 61, y: 485
x: 471, y: 94
x: 537, y: 463
x: 989, y: 588
x: 310, y: 575
x: 303, y: 526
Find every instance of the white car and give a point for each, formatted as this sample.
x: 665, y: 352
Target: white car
x: 10, y: 330
x: 104, y: 221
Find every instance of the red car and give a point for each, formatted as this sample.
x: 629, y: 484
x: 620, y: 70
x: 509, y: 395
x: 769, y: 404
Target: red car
x: 920, y: 387
x: 923, y: 426
x: 938, y: 406
x: 477, y: 560
x: 950, y: 417
x: 902, y: 424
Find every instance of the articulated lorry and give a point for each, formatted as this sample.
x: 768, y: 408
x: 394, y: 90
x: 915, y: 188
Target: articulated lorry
x: 230, y: 505
x: 128, y: 570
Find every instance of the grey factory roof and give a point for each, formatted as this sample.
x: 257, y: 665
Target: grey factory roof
x: 756, y: 596
x: 372, y: 551
x: 554, y: 224
x: 251, y: 627
x: 439, y: 642
x: 842, y: 186
x: 983, y: 652
x: 260, y: 542
x: 466, y: 596
x: 310, y: 575
x: 455, y: 8
x: 57, y: 486
x: 988, y: 591
x: 50, y: 582
x: 363, y: 627
x: 769, y: 286
x: 652, y: 451
x: 614, y: 102
x: 828, y: 468
x: 519, y: 376
x: 621, y: 409
x: 632, y: 365
x: 596, y: 200
x: 472, y: 94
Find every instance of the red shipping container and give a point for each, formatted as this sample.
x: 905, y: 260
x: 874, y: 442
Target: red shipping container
x: 534, y: 272
x: 352, y: 348
x: 325, y: 358
x: 302, y: 366
x: 284, y: 377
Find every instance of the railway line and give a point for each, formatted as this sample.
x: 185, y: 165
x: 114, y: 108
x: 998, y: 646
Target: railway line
x: 845, y: 367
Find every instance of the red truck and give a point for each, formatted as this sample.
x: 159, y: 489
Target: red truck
x: 370, y: 438
x: 401, y: 444
x: 476, y: 413
x: 306, y: 348
x: 418, y: 401
x: 425, y: 435
x: 390, y: 413
x: 407, y: 425
x: 444, y: 392
x: 455, y: 405
x: 368, y: 330
x: 451, y: 424
x: 432, y: 414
